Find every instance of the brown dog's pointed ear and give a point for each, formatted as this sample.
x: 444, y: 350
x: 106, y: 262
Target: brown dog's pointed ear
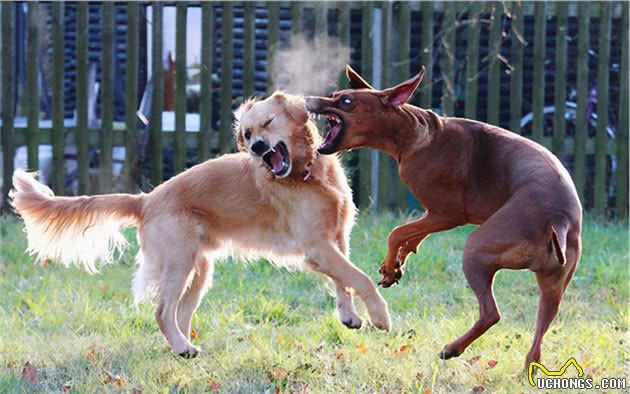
x: 356, y: 82
x: 400, y: 94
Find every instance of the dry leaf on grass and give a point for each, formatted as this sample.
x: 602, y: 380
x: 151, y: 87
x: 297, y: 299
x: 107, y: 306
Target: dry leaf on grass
x: 478, y: 389
x: 402, y: 351
x: 279, y: 373
x: 492, y: 363
x: 193, y: 335
x: 29, y: 373
x: 66, y: 388
x: 428, y: 390
x: 114, y: 379
x: 213, y: 385
x: 362, y: 348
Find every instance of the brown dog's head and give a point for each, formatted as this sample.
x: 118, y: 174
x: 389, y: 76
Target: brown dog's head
x: 356, y: 116
x: 277, y: 131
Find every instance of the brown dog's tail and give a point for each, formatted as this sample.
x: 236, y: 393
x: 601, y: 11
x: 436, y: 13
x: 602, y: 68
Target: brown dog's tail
x: 73, y: 230
x: 559, y: 241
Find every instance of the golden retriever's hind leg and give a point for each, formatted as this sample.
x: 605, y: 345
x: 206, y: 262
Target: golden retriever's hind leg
x: 172, y: 285
x: 201, y: 281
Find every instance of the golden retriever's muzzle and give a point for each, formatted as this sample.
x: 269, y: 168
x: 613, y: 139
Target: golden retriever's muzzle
x: 276, y: 158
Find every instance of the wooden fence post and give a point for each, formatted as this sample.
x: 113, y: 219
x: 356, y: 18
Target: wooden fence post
x: 622, y: 138
x: 8, y: 102
x: 249, y: 41
x: 225, y: 131
x: 59, y: 171
x: 366, y: 72
x: 426, y: 48
x: 447, y: 60
x: 180, y: 93
x: 472, y: 60
x: 516, y: 80
x: 273, y: 37
x: 157, y: 102
x: 538, y: 86
x: 601, y: 138
x: 107, y: 98
x: 560, y: 78
x: 494, y: 66
x: 581, y: 123
x: 131, y: 98
x: 82, y: 132
x: 205, y: 102
x: 32, y: 85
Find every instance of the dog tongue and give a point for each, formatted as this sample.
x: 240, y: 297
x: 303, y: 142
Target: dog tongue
x: 332, y: 134
x: 276, y: 162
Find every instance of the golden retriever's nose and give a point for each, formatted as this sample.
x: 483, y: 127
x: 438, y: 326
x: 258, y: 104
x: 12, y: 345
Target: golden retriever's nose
x: 259, y: 147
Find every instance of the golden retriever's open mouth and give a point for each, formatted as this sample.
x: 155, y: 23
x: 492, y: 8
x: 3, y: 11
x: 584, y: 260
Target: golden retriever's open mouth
x: 277, y: 160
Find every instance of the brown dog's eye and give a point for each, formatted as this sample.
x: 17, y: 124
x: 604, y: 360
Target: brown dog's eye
x: 346, y: 101
x: 248, y: 134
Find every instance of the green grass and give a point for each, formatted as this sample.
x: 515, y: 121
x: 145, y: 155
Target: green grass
x: 264, y: 329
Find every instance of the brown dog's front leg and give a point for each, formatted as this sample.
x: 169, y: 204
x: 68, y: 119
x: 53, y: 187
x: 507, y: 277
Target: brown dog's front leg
x: 405, y: 239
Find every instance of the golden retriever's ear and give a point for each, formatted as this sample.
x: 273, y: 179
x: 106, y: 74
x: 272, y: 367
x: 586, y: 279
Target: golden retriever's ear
x: 236, y: 128
x: 294, y: 106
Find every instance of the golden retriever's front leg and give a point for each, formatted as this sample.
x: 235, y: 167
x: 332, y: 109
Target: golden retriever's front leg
x: 328, y: 260
x: 192, y: 297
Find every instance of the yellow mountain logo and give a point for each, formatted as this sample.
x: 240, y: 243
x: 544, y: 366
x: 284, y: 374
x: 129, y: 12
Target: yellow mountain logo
x: 547, y: 372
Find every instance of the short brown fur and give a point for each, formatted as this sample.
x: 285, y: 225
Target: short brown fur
x: 464, y: 171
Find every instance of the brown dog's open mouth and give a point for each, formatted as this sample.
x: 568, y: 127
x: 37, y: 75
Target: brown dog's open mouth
x: 334, y: 131
x: 277, y: 160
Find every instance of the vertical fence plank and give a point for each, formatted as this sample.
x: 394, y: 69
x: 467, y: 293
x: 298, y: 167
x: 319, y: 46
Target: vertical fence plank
x: 426, y: 45
x: 472, y: 60
x: 296, y: 17
x: 447, y: 61
x: 622, y: 139
x: 131, y: 97
x: 516, y: 77
x: 107, y: 98
x: 343, y: 32
x: 560, y: 78
x: 180, y: 94
x: 365, y: 161
x: 401, y: 72
x: 581, y: 130
x: 248, y: 48
x: 538, y: 94
x: 225, y: 132
x: 273, y: 36
x: 32, y: 85
x: 388, y: 184
x: 601, y: 139
x: 205, y: 104
x: 8, y: 104
x: 157, y: 101
x: 82, y: 97
x: 58, y: 99
x: 494, y: 66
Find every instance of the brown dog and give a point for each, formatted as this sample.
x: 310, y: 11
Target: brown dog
x: 464, y: 171
x: 276, y: 198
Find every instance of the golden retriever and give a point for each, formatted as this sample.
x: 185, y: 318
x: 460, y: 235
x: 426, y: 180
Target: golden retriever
x: 275, y: 198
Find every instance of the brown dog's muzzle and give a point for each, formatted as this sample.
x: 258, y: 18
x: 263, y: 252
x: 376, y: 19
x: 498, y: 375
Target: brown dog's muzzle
x: 326, y: 107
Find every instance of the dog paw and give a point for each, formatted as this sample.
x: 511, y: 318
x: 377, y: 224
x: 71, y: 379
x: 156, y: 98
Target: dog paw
x: 390, y: 277
x: 190, y: 352
x: 449, y: 352
x: 352, y: 323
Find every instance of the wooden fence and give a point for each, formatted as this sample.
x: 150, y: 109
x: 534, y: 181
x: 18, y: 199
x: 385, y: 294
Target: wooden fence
x: 467, y: 82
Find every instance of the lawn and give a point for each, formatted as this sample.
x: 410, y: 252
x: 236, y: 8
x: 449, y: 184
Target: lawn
x: 269, y: 330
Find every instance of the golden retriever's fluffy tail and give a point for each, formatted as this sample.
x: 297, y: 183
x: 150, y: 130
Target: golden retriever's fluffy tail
x: 73, y: 230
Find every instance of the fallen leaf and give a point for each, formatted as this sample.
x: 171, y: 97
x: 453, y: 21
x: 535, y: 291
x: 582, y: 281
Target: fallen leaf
x: 279, y: 373
x: 114, y: 379
x: 278, y: 390
x: 66, y: 388
x: 478, y: 389
x: 492, y: 363
x: 474, y: 360
x: 44, y: 263
x: 94, y: 352
x: 339, y: 355
x: 428, y: 390
x: 29, y: 373
x: 213, y: 385
x: 193, y: 335
x: 11, y: 362
x: 402, y: 352
x: 362, y: 348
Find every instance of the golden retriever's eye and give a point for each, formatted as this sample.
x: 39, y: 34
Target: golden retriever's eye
x: 264, y: 125
x: 248, y: 134
x: 346, y: 101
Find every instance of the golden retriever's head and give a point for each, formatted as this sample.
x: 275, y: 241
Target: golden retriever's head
x: 278, y: 132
